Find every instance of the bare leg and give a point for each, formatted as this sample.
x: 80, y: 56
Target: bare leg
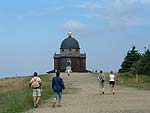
x: 113, y: 89
x: 100, y: 86
x: 34, y: 101
x: 103, y: 90
x: 37, y: 100
x: 103, y: 87
x: 59, y: 102
x: 54, y: 102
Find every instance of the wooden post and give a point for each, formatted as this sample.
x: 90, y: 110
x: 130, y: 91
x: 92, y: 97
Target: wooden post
x: 137, y: 78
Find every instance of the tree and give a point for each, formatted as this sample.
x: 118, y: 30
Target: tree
x: 143, y: 65
x: 131, y: 58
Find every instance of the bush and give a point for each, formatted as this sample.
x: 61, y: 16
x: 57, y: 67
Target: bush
x: 126, y: 75
x: 144, y: 79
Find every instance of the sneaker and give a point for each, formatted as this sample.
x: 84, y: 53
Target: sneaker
x: 59, y: 105
x: 34, y: 105
x: 37, y: 105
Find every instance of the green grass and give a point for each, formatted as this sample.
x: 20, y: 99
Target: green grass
x: 127, y: 79
x: 21, y: 100
x: 15, y: 102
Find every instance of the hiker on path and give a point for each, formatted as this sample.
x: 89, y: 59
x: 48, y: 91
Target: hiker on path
x: 68, y: 72
x: 101, y: 80
x: 36, y: 83
x: 112, y: 82
x: 58, y: 87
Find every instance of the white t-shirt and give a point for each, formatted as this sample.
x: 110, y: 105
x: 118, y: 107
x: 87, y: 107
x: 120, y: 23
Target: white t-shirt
x: 111, y: 77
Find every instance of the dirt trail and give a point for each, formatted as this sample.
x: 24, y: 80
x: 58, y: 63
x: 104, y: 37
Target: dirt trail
x: 88, y: 99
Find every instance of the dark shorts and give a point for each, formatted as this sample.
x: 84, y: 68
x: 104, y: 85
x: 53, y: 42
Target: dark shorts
x: 112, y: 82
x: 57, y: 95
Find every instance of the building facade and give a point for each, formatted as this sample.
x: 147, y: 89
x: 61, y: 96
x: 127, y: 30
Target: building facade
x: 70, y: 52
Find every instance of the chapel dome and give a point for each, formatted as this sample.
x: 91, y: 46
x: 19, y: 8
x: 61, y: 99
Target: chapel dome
x: 69, y: 43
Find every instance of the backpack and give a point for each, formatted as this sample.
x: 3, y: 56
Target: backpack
x: 35, y: 83
x: 101, y: 77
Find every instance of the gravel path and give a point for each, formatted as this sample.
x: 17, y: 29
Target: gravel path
x: 87, y: 98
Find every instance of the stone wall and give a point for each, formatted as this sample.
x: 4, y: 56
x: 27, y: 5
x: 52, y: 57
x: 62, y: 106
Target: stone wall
x: 77, y: 64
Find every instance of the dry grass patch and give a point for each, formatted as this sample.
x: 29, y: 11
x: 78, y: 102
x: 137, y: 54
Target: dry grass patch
x: 11, y: 84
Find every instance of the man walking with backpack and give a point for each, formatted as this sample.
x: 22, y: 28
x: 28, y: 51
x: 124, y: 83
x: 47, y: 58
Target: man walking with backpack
x: 36, y: 83
x: 101, y: 80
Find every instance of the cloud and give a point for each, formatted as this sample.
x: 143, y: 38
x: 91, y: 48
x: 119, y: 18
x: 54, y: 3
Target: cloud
x: 126, y: 13
x: 121, y: 13
x: 118, y: 13
x: 82, y: 29
x: 74, y: 25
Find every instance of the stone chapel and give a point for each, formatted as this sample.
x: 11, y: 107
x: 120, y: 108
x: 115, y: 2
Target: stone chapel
x: 70, y: 56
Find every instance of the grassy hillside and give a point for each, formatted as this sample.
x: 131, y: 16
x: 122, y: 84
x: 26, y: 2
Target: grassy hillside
x: 16, y: 96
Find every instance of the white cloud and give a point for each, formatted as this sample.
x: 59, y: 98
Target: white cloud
x: 74, y: 25
x: 119, y: 13
x: 125, y: 13
x: 80, y: 28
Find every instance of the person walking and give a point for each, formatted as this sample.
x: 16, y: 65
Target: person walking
x: 57, y: 86
x: 112, y: 82
x: 36, y: 84
x: 101, y: 80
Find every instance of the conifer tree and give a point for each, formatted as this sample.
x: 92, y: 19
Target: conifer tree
x: 143, y: 65
x: 131, y: 58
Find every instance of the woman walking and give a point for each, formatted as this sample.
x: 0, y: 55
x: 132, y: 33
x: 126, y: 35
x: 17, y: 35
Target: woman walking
x: 112, y: 82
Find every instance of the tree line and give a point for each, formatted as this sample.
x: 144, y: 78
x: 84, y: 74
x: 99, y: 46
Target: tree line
x: 136, y: 62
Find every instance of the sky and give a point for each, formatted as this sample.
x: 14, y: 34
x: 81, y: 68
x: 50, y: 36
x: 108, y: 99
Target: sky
x: 31, y: 31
